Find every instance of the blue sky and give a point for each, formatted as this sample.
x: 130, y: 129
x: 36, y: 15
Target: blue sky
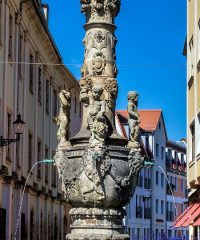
x: 151, y: 37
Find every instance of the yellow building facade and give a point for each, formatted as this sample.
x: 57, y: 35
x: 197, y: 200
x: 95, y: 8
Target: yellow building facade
x: 30, y: 80
x: 193, y: 104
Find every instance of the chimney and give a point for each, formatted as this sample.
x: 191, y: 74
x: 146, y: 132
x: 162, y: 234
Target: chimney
x: 45, y: 8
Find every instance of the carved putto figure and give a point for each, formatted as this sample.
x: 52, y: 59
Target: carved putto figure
x: 63, y: 118
x: 134, y: 120
x: 96, y: 116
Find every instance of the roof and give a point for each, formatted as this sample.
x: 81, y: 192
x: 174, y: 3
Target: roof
x: 122, y: 119
x: 178, y: 145
x: 149, y: 118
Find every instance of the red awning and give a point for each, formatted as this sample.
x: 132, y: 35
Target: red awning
x: 197, y: 223
x: 186, y: 210
x: 192, y: 218
x: 187, y: 214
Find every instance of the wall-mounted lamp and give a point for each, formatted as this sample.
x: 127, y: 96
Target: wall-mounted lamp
x: 18, y: 129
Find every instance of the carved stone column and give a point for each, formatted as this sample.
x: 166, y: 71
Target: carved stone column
x: 99, y: 67
x: 97, y: 168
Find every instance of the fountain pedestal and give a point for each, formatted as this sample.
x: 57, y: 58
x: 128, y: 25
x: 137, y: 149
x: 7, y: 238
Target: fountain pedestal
x: 97, y: 224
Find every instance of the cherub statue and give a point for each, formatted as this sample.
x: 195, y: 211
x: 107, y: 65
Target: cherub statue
x: 64, y: 118
x: 96, y: 116
x: 134, y: 120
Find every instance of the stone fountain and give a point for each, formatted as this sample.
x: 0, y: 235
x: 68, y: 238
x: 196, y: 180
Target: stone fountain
x: 98, y: 168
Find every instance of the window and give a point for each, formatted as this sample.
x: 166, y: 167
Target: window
x: 175, y: 183
x: 80, y: 109
x: 147, y: 143
x: 53, y: 178
x: 175, y: 157
x: 159, y: 125
x: 9, y: 127
x: 75, y: 105
x: 182, y: 159
x: 162, y: 153
x: 31, y: 73
x: 53, y: 173
x: 162, y: 179
x: 30, y: 151
x: 157, y: 177
x: 157, y: 202
x: 32, y: 235
x: 182, y: 208
x: 162, y: 207
x: 182, y: 185
x: 10, y: 43
x: 18, y: 154
x: 157, y: 150
x: 2, y: 224
x: 23, y: 227
x: 39, y: 158
x: 55, y: 103
x: 41, y: 226
x: 40, y: 85
x: 20, y: 54
x: 46, y: 165
x: 55, y: 228
x: 47, y: 96
x: 192, y: 129
x: 49, y: 226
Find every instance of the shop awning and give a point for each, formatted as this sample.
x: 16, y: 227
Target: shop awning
x: 188, y: 216
x: 197, y: 223
x: 186, y: 210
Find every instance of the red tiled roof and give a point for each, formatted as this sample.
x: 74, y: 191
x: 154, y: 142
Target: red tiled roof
x: 149, y: 118
x: 124, y: 114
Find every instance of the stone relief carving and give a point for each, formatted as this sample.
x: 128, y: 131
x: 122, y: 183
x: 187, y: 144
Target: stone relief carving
x: 64, y: 118
x: 99, y: 63
x: 99, y: 37
x: 111, y: 89
x: 96, y: 117
x: 134, y: 120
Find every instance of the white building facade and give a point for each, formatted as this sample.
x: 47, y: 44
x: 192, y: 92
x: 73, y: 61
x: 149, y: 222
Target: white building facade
x: 147, y: 213
x: 176, y: 162
x: 30, y: 81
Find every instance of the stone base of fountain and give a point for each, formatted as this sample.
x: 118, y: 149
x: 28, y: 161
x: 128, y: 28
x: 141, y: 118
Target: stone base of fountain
x: 97, y: 224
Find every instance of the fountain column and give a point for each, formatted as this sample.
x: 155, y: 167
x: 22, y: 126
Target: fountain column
x: 98, y: 168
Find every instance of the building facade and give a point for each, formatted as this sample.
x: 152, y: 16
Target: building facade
x: 30, y: 80
x: 177, y: 192
x: 192, y: 51
x: 147, y: 213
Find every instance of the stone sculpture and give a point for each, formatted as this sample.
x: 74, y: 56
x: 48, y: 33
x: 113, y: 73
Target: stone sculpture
x: 99, y: 170
x: 96, y: 117
x: 64, y: 118
x: 134, y: 120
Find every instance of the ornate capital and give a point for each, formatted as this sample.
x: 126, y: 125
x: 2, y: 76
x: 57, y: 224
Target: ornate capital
x: 100, y: 10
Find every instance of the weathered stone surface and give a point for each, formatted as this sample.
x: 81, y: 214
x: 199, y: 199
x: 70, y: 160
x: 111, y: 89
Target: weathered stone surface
x: 97, y: 169
x: 104, y: 223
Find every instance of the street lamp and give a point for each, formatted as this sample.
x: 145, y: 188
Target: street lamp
x: 18, y: 130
